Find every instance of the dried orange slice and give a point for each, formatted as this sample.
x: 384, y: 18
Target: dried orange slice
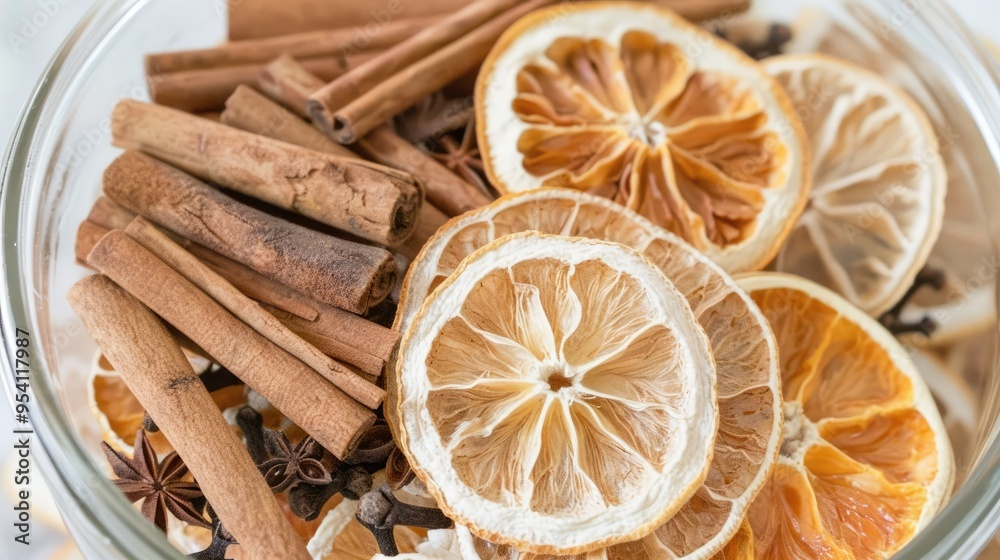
x: 631, y: 101
x: 747, y: 363
x: 557, y: 395
x: 879, y: 182
x: 865, y: 460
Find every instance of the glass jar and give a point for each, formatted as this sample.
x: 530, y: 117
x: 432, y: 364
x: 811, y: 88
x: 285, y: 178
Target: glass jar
x: 52, y: 175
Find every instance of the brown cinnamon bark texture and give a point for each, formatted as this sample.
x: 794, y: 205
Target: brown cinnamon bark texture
x: 354, y: 340
x: 251, y: 111
x: 206, y: 89
x: 365, y: 199
x: 337, y: 333
x: 264, y: 18
x: 247, y: 310
x: 423, y: 77
x: 298, y: 391
x: 155, y: 370
x: 364, y: 77
x: 311, y: 44
x: 287, y: 81
x: 444, y: 189
x: 107, y: 215
x: 348, y: 275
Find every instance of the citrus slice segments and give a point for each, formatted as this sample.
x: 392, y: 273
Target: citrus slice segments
x: 879, y: 182
x: 557, y: 395
x: 865, y: 460
x: 610, y: 98
x: 747, y: 365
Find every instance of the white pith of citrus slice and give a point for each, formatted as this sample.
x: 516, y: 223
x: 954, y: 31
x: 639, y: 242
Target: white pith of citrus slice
x: 865, y: 460
x: 879, y: 183
x: 746, y: 362
x: 557, y: 395
x: 630, y: 101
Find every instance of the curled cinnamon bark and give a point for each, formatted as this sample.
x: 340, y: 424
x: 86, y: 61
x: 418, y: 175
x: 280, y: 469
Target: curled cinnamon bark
x: 304, y: 45
x: 251, y: 111
x: 251, y: 313
x: 337, y: 333
x: 365, y: 199
x: 298, y: 391
x: 162, y: 380
x: 206, y: 89
x: 410, y: 84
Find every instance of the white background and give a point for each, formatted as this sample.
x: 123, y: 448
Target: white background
x: 25, y: 49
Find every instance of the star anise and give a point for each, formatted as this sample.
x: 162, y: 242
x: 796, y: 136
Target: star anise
x: 463, y: 158
x: 288, y: 465
x: 160, y: 485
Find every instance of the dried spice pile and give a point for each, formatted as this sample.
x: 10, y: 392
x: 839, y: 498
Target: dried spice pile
x: 481, y: 282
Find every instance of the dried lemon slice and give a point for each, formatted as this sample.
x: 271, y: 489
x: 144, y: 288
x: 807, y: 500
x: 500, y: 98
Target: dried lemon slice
x: 557, y: 395
x: 878, y: 182
x: 631, y: 101
x: 742, y: 344
x: 865, y: 460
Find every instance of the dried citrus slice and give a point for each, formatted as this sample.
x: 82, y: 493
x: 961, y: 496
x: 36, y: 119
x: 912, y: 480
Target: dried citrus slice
x: 865, y: 460
x: 557, y: 395
x: 879, y: 182
x: 631, y: 101
x: 747, y: 363
x: 740, y: 547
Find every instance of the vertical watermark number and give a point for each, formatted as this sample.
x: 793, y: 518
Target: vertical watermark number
x: 22, y: 435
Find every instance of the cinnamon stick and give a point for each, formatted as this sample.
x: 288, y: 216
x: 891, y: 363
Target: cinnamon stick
x: 256, y: 286
x: 348, y: 275
x: 263, y: 18
x: 337, y: 333
x: 155, y: 370
x: 365, y: 76
x: 352, y: 339
x: 246, y: 309
x: 251, y: 111
x: 303, y: 45
x: 87, y: 235
x: 107, y: 215
x: 207, y: 89
x: 298, y: 391
x: 365, y: 199
x: 250, y: 19
x: 409, y: 85
x: 287, y: 81
x: 444, y: 189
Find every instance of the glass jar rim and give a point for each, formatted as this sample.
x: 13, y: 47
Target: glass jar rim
x: 960, y: 530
